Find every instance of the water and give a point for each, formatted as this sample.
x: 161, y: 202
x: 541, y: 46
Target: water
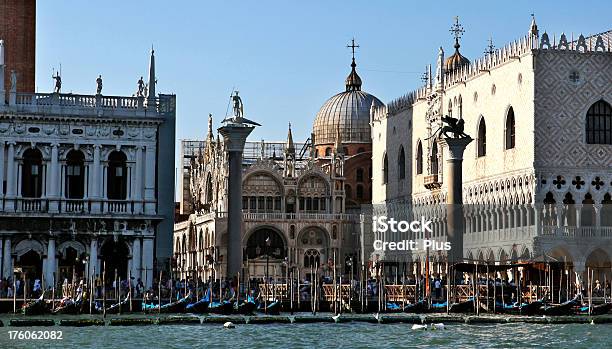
x: 318, y: 335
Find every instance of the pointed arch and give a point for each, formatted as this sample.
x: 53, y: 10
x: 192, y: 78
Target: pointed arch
x: 419, y: 157
x: 385, y: 169
x: 510, y: 130
x: 401, y: 163
x: 481, y: 147
x: 598, y: 125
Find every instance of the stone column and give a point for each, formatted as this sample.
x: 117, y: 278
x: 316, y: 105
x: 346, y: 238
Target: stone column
x: 234, y: 135
x: 95, y: 182
x: 147, y: 261
x: 10, y: 178
x: 137, y: 182
x: 7, y: 262
x: 1, y: 166
x: 1, y: 252
x: 136, y: 258
x: 54, y: 174
x: 454, y: 180
x: 93, y: 257
x: 150, y: 180
x: 51, y: 260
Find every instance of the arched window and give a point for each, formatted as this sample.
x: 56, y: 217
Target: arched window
x: 75, y: 176
x: 450, y: 107
x: 348, y: 191
x: 419, y: 158
x: 265, y: 242
x: 117, y: 176
x: 482, y: 138
x: 31, y: 175
x: 312, y: 258
x: 434, y: 158
x: 359, y: 191
x: 401, y: 163
x: 385, y: 169
x: 209, y: 189
x: 359, y: 175
x: 510, y: 130
x: 328, y: 151
x: 599, y: 123
x: 460, y: 107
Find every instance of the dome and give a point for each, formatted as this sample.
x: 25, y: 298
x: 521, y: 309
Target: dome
x: 456, y: 61
x: 348, y: 111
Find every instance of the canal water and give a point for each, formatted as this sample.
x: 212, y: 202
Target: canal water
x: 320, y: 335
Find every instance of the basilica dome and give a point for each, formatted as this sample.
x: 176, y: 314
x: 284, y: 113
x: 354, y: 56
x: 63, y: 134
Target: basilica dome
x: 348, y: 112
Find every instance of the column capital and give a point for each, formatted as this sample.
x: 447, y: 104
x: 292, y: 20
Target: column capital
x: 54, y: 144
x: 11, y: 143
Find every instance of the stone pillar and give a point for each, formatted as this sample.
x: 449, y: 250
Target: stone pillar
x: 96, y: 180
x: 234, y: 136
x: 578, y: 210
x: 150, y: 180
x: 54, y: 174
x: 51, y: 260
x: 10, y: 178
x: 1, y: 252
x: 93, y: 257
x: 1, y: 167
x: 136, y: 259
x: 454, y: 180
x: 147, y: 261
x: 137, y: 181
x: 7, y: 262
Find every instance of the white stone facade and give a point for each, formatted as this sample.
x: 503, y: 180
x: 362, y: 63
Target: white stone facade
x: 549, y: 88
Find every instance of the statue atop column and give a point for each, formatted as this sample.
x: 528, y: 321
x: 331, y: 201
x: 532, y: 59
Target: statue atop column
x: 140, y: 91
x: 454, y: 127
x: 58, y: 82
x: 99, y: 85
x: 238, y: 106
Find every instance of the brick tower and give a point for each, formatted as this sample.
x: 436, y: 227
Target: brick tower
x: 18, y: 30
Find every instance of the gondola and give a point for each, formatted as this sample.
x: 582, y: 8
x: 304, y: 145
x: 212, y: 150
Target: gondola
x: 273, y: 308
x: 247, y: 307
x: 462, y: 307
x: 122, y: 306
x: 174, y: 307
x: 565, y: 308
x: 393, y: 308
x: 418, y: 307
x: 223, y: 308
x: 599, y: 309
x: 68, y: 306
x: 37, y: 307
x: 438, y: 307
x: 516, y: 309
x: 200, y: 306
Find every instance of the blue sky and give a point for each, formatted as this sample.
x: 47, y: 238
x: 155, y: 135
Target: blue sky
x: 285, y: 57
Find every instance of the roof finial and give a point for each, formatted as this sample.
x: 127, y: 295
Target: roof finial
x: 290, y: 145
x: 533, y: 29
x: 490, y: 49
x: 353, y: 81
x: 457, y: 30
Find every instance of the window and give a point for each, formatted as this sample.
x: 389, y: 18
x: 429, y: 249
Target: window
x: 359, y: 175
x: 450, y: 108
x: 359, y: 192
x: 599, y: 123
x: 401, y: 164
x: 434, y: 158
x: 460, y: 107
x: 419, y: 158
x: 328, y: 151
x: 75, y: 176
x: 347, y: 190
x: 482, y: 138
x: 510, y: 131
x: 31, y: 176
x: 385, y: 169
x: 117, y: 176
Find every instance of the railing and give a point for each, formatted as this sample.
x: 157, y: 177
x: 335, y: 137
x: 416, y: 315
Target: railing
x: 75, y: 206
x: 580, y: 232
x: 432, y: 181
x: 32, y: 205
x: 270, y: 216
x: 117, y: 206
x: 81, y: 104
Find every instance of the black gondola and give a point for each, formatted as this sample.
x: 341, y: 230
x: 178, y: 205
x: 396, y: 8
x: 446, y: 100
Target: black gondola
x: 599, y: 309
x: 565, y: 308
x: 122, y: 306
x: 247, y: 307
x: 37, y: 307
x: 418, y: 307
x: 68, y: 306
x: 174, y: 307
x: 273, y: 308
x: 224, y: 307
x: 523, y: 309
x: 462, y: 307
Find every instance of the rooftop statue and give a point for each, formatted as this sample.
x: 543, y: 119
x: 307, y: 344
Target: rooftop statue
x: 13, y: 81
x: 139, y: 92
x: 99, y: 85
x: 58, y: 82
x: 238, y: 107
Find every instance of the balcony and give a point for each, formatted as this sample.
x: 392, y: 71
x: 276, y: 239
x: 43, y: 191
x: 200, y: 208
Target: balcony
x: 578, y: 232
x: 433, y: 181
x: 71, y: 206
x: 32, y: 205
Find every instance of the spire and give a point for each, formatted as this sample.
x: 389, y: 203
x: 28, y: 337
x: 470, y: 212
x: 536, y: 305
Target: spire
x: 457, y: 30
x: 353, y: 81
x: 152, y: 79
x: 533, y: 29
x: 440, y: 69
x: 290, y: 149
x: 210, y: 131
x: 338, y: 144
